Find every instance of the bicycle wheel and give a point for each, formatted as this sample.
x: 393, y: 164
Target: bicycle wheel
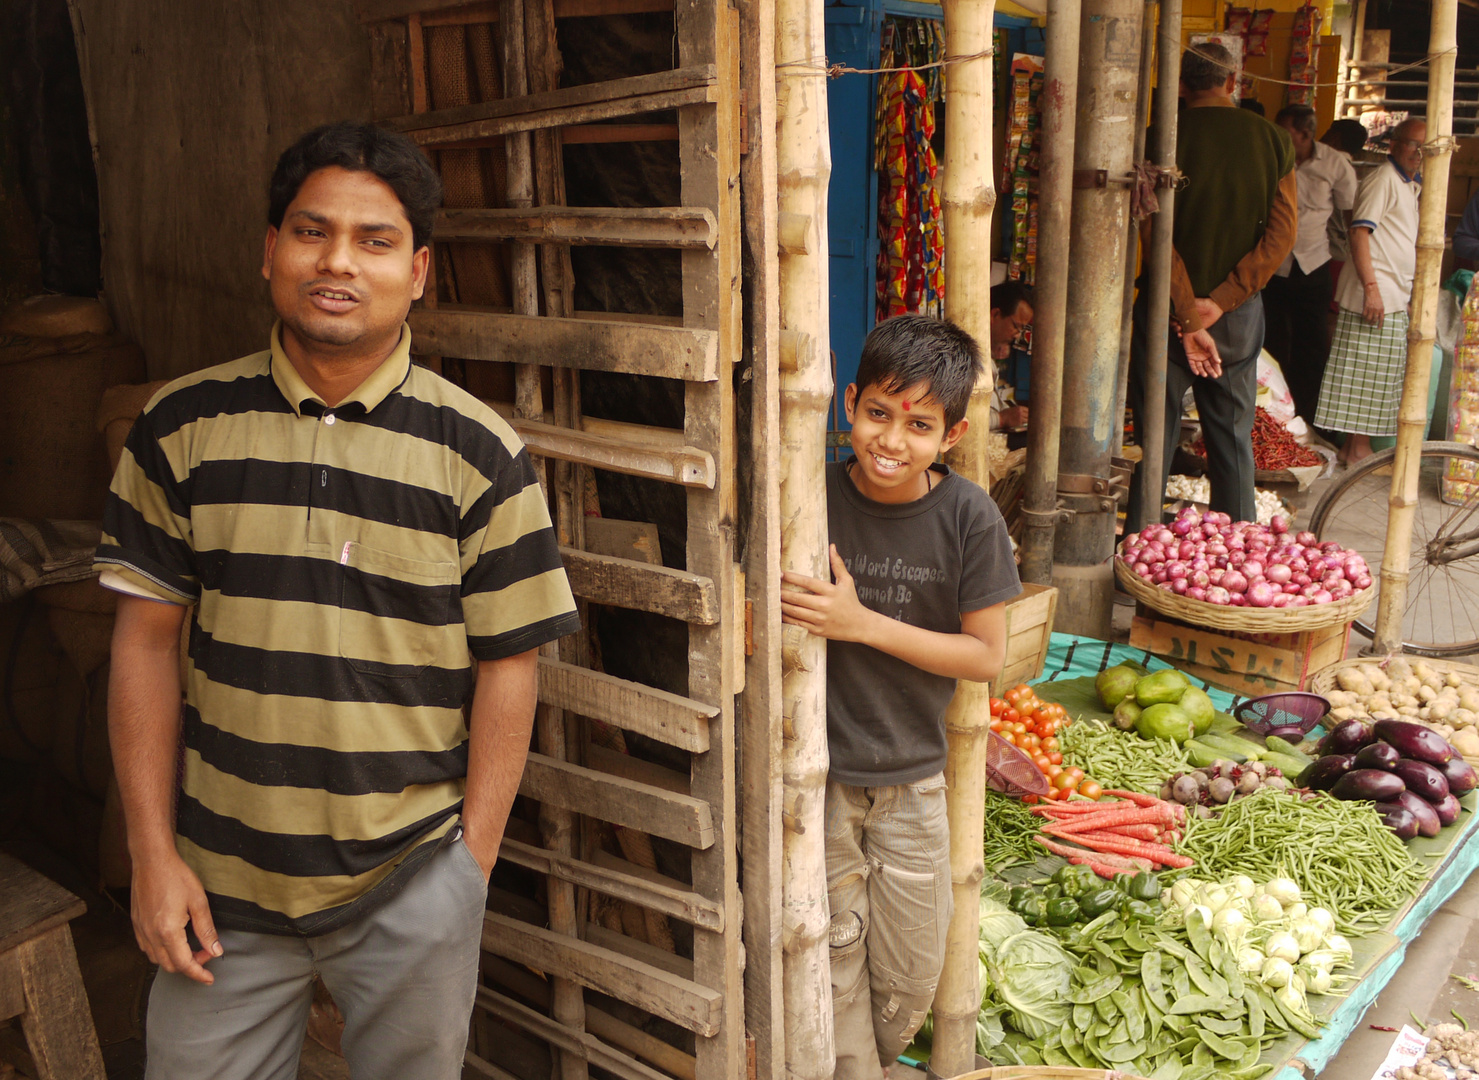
x: 1441, y: 615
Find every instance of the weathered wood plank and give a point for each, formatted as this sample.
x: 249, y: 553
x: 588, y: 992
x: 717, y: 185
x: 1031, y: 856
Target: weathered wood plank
x: 631, y: 882
x: 31, y: 904
x: 581, y: 1044
x: 638, y: 950
x: 572, y: 104
x: 635, y: 457
x: 618, y: 800
x: 462, y: 11
x: 630, y: 706
x: 638, y: 586
x: 618, y: 133
x: 685, y: 1003
x: 640, y: 226
x: 589, y: 344
x: 615, y: 763
x: 57, y: 1021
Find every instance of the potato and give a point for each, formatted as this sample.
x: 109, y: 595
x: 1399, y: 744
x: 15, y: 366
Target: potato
x: 1410, y: 684
x: 1399, y: 668
x: 1409, y: 711
x: 1453, y: 679
x: 1464, y: 717
x: 1469, y: 699
x: 1439, y: 710
x: 1443, y: 729
x: 1426, y: 693
x: 1352, y: 679
x: 1466, y: 742
x: 1380, y: 681
x: 1423, y: 670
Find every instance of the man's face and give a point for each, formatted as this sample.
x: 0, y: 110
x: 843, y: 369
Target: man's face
x: 1006, y: 328
x: 344, y: 267
x: 1304, y: 144
x: 1407, y: 146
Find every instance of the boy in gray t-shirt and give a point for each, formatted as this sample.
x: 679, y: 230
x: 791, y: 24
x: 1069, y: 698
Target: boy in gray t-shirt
x: 923, y: 569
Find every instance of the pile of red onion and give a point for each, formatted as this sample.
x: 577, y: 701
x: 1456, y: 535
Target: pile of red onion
x: 1210, y: 557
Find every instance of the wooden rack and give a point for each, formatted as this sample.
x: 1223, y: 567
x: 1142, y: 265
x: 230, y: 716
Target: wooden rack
x: 577, y: 779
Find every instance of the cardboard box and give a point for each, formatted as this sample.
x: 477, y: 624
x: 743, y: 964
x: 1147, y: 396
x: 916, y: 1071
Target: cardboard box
x: 1247, y: 664
x: 1029, y: 620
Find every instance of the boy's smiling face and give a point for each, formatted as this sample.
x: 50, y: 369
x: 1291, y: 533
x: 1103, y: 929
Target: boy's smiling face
x: 896, y: 438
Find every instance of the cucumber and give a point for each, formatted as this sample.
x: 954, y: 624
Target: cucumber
x: 1287, y: 764
x: 1231, y: 746
x: 1223, y: 724
x: 1288, y: 749
x: 1201, y: 754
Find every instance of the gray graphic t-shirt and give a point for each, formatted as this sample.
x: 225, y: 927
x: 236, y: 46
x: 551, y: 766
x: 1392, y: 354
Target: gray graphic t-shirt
x: 925, y: 563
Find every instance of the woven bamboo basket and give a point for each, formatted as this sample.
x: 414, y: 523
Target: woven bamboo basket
x: 1045, y: 1072
x: 1323, y: 681
x: 1242, y: 620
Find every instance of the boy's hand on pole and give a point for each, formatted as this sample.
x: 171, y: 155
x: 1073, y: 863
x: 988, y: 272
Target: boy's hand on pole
x: 828, y: 610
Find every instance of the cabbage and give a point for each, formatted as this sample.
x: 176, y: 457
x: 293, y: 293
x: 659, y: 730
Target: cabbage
x: 997, y: 923
x: 1031, y: 974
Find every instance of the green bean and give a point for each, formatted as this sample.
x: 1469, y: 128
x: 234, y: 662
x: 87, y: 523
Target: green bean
x: 1118, y: 760
x: 1339, y: 854
x: 1010, y: 828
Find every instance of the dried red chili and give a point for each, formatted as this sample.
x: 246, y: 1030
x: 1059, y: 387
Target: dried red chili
x: 1274, y: 449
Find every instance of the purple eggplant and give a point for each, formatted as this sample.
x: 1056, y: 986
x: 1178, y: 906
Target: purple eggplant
x: 1321, y: 774
x: 1398, y: 818
x: 1428, y: 823
x: 1415, y: 741
x: 1378, y: 755
x: 1347, y: 737
x: 1420, y: 778
x: 1447, y: 810
x: 1377, y: 785
x: 1460, y: 776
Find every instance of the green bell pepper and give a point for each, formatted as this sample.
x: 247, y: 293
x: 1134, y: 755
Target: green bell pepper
x: 1144, y: 886
x: 1141, y: 911
x: 1019, y: 896
x: 1052, y: 891
x: 1097, y: 901
x: 1076, y: 880
x: 1031, y: 910
x: 1064, y: 911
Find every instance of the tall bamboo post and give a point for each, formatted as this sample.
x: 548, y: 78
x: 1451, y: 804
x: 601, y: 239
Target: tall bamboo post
x: 1055, y: 198
x: 968, y: 195
x: 1412, y: 417
x: 1158, y: 290
x: 803, y: 169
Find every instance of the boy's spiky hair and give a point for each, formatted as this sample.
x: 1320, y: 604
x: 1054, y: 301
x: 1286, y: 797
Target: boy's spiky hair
x: 913, y: 350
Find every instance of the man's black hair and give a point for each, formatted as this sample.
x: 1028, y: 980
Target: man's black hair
x: 1347, y: 135
x: 914, y: 350
x: 1206, y: 65
x: 1006, y: 295
x: 1253, y: 105
x: 389, y: 155
x: 1300, y: 118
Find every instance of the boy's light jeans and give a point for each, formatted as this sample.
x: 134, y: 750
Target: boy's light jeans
x: 888, y: 888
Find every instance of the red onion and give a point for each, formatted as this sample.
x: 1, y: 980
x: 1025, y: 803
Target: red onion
x: 1281, y: 600
x: 1178, y: 586
x: 1298, y: 601
x: 1279, y: 574
x: 1300, y: 578
x: 1159, y: 574
x: 1237, y: 599
x: 1214, y: 575
x: 1253, y: 568
x: 1309, y: 592
x: 1261, y: 594
x: 1142, y: 569
x: 1306, y: 538
x: 1209, y: 529
x: 1218, y: 595
x: 1322, y: 596
x: 1200, y: 578
x: 1175, y: 570
x: 1363, y: 581
x: 1181, y: 526
x: 1278, y: 524
x: 1196, y: 592
x: 1234, y: 582
x: 1186, y: 549
x: 1292, y: 588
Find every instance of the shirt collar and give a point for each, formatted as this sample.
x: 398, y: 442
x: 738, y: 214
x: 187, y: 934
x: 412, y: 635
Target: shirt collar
x: 1409, y: 179
x: 367, y: 395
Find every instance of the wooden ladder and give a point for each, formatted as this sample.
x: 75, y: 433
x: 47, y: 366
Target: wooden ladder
x: 573, y: 779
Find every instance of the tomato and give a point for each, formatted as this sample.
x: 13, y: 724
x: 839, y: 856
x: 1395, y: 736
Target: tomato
x: 1013, y: 696
x: 1011, y: 715
x: 1050, y: 744
x: 1057, y: 794
x: 1022, y: 689
x: 1030, y: 742
x: 995, y: 724
x: 1007, y: 736
x: 1068, y: 778
x: 1019, y: 728
x: 1090, y: 789
x: 1042, y: 763
x: 1030, y: 800
x: 1053, y: 769
x: 1027, y: 706
x: 1055, y: 757
x: 998, y: 706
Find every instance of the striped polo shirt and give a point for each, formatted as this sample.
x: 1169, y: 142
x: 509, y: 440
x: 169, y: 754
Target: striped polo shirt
x: 347, y: 566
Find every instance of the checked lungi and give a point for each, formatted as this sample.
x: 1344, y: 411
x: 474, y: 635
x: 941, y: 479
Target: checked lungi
x: 1362, y: 388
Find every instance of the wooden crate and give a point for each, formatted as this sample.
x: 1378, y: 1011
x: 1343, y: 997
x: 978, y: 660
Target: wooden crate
x: 1248, y: 664
x: 1029, y: 621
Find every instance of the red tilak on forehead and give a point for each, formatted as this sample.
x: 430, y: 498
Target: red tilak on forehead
x: 907, y: 406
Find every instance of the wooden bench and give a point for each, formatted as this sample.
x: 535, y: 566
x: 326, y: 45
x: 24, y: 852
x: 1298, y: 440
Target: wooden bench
x: 39, y: 980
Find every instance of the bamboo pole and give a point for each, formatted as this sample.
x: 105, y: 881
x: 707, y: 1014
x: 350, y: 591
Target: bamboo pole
x: 968, y: 196
x: 803, y: 169
x: 1158, y: 289
x: 1412, y: 417
x: 1055, y: 198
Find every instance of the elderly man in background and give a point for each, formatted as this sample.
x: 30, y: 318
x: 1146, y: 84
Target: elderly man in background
x: 1297, y: 298
x: 1361, y: 390
x: 1012, y: 305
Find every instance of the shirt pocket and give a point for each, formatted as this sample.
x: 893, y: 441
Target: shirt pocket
x: 394, y: 610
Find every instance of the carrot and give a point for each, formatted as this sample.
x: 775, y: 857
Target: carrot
x: 1130, y: 815
x: 1104, y: 870
x: 1123, y: 862
x: 1134, y: 797
x: 1125, y: 846
x: 1057, y: 809
x: 1136, y: 832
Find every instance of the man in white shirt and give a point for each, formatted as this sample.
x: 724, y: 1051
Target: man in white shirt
x: 1362, y: 386
x: 1297, y: 298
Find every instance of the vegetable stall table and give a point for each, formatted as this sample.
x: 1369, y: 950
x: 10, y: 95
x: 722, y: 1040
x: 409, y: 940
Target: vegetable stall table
x: 1445, y: 862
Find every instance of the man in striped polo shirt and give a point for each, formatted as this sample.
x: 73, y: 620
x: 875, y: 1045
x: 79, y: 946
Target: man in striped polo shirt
x: 368, y: 566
